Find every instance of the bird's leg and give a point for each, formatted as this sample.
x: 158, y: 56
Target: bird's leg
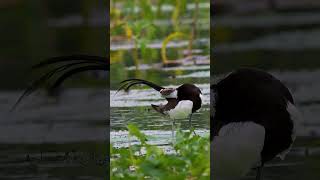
x: 172, y: 130
x: 259, y: 172
x: 190, y: 125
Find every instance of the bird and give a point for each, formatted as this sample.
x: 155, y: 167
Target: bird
x: 62, y: 68
x: 253, y: 120
x: 182, y: 101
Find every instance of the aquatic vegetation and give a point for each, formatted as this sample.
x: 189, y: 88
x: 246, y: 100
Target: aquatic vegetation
x: 165, y: 43
x: 141, y: 23
x: 191, y: 159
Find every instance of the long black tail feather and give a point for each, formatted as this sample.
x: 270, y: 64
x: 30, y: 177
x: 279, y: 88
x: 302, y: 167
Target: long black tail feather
x: 75, y: 71
x: 127, y: 84
x: 64, y: 67
x: 72, y: 58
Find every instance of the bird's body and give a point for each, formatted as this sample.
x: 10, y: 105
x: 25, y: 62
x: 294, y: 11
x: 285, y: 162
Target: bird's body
x: 182, y: 110
x: 254, y: 121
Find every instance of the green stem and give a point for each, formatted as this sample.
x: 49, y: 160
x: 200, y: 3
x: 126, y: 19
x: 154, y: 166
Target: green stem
x: 194, y: 27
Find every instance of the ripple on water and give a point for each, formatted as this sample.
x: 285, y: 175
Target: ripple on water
x: 162, y: 139
x: 200, y: 74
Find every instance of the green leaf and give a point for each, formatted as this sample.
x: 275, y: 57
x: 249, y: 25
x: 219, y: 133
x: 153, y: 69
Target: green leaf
x: 134, y: 131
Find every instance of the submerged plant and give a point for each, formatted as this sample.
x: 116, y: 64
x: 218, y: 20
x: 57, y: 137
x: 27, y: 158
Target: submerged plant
x: 190, y: 160
x: 191, y: 35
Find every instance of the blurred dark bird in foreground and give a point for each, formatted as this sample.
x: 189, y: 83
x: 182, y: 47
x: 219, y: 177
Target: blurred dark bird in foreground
x: 253, y: 120
x: 61, y: 68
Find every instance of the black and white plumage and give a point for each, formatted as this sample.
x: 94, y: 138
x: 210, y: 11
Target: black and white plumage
x: 62, y: 68
x: 181, y: 101
x: 253, y: 121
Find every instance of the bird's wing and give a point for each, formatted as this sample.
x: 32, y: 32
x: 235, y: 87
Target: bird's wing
x: 127, y: 84
x: 62, y: 68
x: 172, y: 102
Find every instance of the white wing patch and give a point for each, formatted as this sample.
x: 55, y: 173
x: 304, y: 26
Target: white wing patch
x: 182, y: 110
x: 237, y: 149
x: 296, y: 118
x: 201, y: 97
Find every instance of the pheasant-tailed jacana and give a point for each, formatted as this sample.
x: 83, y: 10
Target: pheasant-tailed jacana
x: 182, y: 101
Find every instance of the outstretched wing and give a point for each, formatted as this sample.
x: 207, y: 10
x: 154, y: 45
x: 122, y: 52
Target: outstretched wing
x: 63, y: 68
